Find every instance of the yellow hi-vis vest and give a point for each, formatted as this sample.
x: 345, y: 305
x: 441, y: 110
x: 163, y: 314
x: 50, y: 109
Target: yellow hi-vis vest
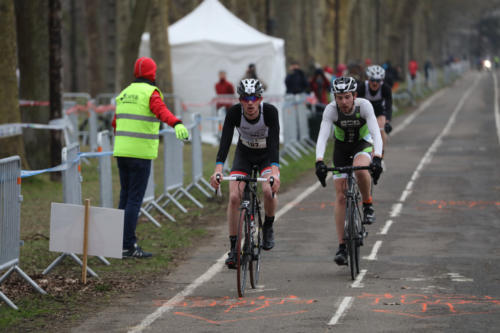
x: 137, y: 128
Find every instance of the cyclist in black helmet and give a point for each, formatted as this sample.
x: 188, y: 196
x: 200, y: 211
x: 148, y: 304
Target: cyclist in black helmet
x: 357, y: 138
x: 258, y: 144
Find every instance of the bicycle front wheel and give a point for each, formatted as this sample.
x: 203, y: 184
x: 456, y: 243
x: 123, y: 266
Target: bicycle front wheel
x: 351, y: 239
x: 257, y: 241
x: 243, y: 251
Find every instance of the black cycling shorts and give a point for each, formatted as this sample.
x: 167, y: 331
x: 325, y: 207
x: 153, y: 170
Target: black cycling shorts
x: 343, y: 153
x: 243, y: 162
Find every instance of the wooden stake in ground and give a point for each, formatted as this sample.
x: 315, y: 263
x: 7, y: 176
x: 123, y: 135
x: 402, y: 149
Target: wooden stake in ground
x: 85, y: 240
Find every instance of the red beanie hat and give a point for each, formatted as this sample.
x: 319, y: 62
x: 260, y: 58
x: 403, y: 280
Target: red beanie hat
x: 146, y: 68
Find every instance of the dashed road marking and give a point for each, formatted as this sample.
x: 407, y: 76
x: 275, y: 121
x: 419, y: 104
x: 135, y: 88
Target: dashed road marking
x: 373, y: 254
x: 357, y: 283
x: 344, y: 306
x: 386, y: 227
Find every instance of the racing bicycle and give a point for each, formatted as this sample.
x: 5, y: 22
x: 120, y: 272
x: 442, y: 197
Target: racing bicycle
x: 249, y: 236
x: 354, y: 230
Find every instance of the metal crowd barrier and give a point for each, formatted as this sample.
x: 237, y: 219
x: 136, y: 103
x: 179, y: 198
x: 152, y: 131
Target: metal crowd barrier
x: 197, y: 158
x: 289, y: 124
x: 105, y: 174
x: 72, y: 194
x: 149, y: 200
x: 173, y: 171
x: 10, y: 223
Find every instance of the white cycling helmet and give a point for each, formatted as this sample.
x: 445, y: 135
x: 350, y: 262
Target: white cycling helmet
x: 375, y: 72
x: 250, y: 87
x: 344, y: 84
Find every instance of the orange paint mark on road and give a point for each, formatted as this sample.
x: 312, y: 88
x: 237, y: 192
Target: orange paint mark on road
x: 218, y: 322
x: 308, y: 206
x: 427, y: 306
x: 461, y: 203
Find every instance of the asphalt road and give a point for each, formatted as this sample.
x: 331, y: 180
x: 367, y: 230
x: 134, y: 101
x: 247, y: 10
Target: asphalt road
x: 431, y: 262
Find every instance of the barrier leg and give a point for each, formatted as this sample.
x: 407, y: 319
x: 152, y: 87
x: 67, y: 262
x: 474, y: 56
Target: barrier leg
x: 79, y: 262
x: 170, y: 198
x: 283, y: 161
x: 182, y: 191
x: 54, y: 263
x: 30, y: 281
x: 161, y: 210
x: 104, y: 260
x: 151, y: 218
x: 8, y: 301
x: 6, y: 275
x: 300, y: 147
x: 202, y: 190
x: 207, y: 184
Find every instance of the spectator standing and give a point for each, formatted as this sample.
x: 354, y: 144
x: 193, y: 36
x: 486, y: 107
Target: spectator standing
x: 251, y: 73
x: 427, y: 69
x: 320, y: 86
x: 223, y: 87
x: 139, y: 110
x: 296, y: 81
x: 413, y: 68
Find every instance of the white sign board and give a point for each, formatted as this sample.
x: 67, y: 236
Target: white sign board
x: 105, y: 236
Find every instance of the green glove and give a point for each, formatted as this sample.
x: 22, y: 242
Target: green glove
x: 181, y: 132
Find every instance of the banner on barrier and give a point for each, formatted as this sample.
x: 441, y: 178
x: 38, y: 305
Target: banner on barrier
x: 105, y: 237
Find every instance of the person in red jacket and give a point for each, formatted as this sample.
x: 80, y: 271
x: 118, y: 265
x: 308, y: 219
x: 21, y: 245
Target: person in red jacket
x: 413, y: 68
x: 223, y: 87
x: 138, y: 109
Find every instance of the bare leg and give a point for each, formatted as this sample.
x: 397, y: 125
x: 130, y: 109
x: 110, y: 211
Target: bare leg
x: 363, y: 176
x: 235, y: 193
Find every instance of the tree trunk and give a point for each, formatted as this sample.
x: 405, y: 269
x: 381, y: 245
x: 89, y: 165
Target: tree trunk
x: 55, y: 66
x: 94, y: 47
x: 9, y: 108
x: 160, y: 49
x: 130, y: 49
x: 33, y: 55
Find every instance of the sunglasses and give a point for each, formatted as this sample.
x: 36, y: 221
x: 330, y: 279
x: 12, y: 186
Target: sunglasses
x: 249, y: 98
x: 378, y: 81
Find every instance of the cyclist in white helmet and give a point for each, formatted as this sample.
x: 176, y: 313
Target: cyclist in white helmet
x: 258, y: 144
x: 357, y: 138
x: 380, y: 95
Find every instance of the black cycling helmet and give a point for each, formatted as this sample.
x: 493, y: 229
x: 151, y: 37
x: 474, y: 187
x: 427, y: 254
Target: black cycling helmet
x: 250, y: 87
x: 344, y: 84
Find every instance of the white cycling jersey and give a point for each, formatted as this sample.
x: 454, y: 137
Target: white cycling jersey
x: 331, y: 115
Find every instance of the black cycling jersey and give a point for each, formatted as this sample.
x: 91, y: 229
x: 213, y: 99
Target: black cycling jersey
x: 233, y: 120
x: 381, y: 105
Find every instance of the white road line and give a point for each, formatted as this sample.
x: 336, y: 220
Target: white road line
x: 298, y: 199
x: 357, y: 283
x: 344, y: 306
x: 373, y: 254
x: 396, y: 209
x: 210, y: 273
x: 497, y: 113
x: 420, y: 109
x: 386, y: 227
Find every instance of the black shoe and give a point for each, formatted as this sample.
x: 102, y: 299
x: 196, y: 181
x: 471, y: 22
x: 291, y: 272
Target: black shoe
x: 135, y: 252
x: 369, y: 214
x: 268, y: 237
x: 231, y: 259
x: 341, y: 255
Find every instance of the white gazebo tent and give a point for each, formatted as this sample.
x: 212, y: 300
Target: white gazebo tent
x: 211, y: 38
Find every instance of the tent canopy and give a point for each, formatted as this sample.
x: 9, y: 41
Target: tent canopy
x: 210, y: 39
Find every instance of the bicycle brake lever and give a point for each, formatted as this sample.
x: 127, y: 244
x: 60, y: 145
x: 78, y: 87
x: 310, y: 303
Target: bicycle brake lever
x: 271, y: 182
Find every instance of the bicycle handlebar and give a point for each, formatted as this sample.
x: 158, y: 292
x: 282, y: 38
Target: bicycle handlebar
x: 248, y: 179
x: 348, y: 169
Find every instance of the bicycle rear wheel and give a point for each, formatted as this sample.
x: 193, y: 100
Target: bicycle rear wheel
x: 256, y: 250
x: 244, y: 256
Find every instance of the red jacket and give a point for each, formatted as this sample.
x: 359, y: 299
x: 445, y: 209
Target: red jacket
x: 413, y: 67
x: 224, y: 87
x: 145, y: 68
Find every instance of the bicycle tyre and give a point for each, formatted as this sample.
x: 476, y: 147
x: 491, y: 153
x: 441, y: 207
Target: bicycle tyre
x: 241, y: 249
x: 357, y: 233
x: 351, y: 238
x: 256, y: 252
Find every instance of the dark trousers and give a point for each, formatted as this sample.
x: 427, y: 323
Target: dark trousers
x: 134, y: 175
